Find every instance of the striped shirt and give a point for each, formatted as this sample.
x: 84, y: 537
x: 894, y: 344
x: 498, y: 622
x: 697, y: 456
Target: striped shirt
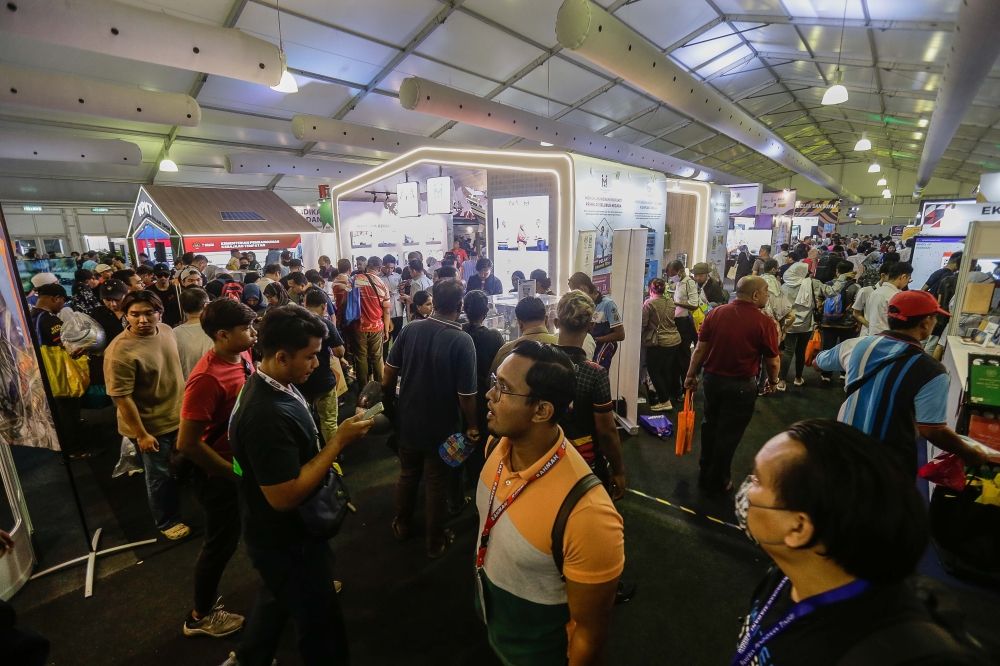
x: 901, y: 397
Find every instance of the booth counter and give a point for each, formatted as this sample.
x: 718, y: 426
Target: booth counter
x: 169, y: 221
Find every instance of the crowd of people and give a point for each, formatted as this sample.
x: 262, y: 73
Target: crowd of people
x: 245, y: 379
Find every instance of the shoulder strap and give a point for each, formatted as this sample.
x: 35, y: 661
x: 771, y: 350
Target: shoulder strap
x: 903, y: 642
x: 858, y: 383
x: 581, y: 488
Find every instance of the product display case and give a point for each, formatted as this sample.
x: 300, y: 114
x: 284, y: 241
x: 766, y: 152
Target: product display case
x: 502, y: 318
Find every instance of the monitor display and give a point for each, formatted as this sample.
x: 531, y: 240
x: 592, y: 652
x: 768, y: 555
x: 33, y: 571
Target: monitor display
x: 931, y: 253
x: 520, y: 236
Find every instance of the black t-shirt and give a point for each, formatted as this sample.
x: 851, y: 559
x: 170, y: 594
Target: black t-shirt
x: 491, y: 285
x: 272, y: 435
x: 322, y: 380
x: 171, y: 304
x: 48, y: 326
x: 437, y: 363
x: 487, y: 342
x: 824, y: 636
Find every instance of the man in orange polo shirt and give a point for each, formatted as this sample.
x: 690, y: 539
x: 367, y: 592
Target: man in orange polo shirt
x: 535, y: 617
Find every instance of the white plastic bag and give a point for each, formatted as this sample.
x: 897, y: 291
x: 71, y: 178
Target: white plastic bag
x: 130, y: 462
x: 80, y: 331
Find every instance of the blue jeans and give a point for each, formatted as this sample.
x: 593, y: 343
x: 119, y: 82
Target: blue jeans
x: 298, y: 583
x: 164, y: 498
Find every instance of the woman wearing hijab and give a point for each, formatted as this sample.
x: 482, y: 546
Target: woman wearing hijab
x: 744, y: 264
x: 253, y: 298
x: 275, y: 295
x: 254, y: 264
x: 804, y: 293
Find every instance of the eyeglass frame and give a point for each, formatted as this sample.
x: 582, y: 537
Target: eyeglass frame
x: 495, y: 384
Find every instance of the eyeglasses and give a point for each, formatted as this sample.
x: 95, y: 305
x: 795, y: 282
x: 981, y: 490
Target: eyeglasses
x: 494, y: 384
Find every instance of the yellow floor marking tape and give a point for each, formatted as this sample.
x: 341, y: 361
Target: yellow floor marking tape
x: 682, y: 508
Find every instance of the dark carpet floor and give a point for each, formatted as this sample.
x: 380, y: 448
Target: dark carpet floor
x: 693, y: 570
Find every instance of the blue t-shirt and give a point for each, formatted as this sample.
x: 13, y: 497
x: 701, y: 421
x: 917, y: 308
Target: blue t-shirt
x: 900, y: 397
x: 606, y: 316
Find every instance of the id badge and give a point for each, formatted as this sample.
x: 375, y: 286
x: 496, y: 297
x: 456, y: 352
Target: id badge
x: 481, y: 593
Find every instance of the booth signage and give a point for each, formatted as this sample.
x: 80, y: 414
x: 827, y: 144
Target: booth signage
x: 311, y: 213
x: 826, y: 210
x: 953, y: 219
x: 897, y: 230
x: 744, y: 200
x: 439, y: 195
x: 585, y: 244
x: 408, y: 200
x: 777, y: 203
x: 225, y: 243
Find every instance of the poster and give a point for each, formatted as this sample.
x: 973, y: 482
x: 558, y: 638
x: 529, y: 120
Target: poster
x: 373, y: 229
x: 778, y: 203
x: 439, y: 195
x: 718, y: 226
x: 744, y: 200
x: 408, y: 199
x: 25, y: 416
x: 612, y: 196
x: 520, y: 229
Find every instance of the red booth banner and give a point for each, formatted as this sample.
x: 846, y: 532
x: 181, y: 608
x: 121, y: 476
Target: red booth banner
x: 226, y: 243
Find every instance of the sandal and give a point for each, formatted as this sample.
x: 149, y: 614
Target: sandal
x: 178, y: 531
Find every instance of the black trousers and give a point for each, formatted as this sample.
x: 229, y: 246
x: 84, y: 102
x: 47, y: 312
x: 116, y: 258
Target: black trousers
x: 795, y: 346
x: 298, y: 583
x: 833, y: 337
x: 662, y: 366
x: 68, y: 422
x: 685, y: 326
x: 729, y: 404
x: 218, y: 497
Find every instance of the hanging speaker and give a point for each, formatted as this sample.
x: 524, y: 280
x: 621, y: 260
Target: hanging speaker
x: 67, y: 148
x: 269, y: 163
x: 64, y: 92
x: 132, y: 32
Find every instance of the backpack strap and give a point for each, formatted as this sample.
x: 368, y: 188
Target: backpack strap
x: 581, y: 488
x: 905, y: 642
x: 856, y: 385
x: 491, y: 444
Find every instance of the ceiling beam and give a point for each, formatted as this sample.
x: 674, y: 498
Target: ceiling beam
x: 888, y: 65
x: 944, y: 26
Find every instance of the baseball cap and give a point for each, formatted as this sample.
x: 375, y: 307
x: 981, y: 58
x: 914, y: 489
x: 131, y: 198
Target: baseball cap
x: 701, y: 268
x: 161, y: 271
x: 100, y: 268
x: 295, y: 263
x: 51, y: 289
x: 188, y: 272
x: 114, y: 290
x: 39, y: 279
x: 919, y: 303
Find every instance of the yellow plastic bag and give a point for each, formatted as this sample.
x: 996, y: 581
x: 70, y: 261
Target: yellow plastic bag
x: 68, y: 377
x: 698, y: 316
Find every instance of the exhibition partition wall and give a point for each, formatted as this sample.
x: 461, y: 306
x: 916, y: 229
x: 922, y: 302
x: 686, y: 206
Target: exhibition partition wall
x: 701, y: 230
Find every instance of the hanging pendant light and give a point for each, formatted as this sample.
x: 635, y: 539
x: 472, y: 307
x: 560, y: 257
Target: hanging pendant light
x: 835, y: 94
x: 886, y: 194
x: 882, y: 182
x: 167, y: 164
x: 287, y: 83
x: 863, y: 143
x: 874, y: 168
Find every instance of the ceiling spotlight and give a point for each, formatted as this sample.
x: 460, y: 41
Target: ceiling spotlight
x: 287, y: 83
x: 886, y: 194
x: 546, y: 144
x: 922, y: 122
x: 882, y: 182
x: 874, y: 168
x: 863, y: 143
x: 167, y: 164
x: 835, y: 94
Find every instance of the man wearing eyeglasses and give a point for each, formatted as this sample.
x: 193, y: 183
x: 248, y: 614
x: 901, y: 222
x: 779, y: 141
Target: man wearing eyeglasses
x: 436, y: 360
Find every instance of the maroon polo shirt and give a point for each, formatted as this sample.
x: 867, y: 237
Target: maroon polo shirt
x: 735, y: 337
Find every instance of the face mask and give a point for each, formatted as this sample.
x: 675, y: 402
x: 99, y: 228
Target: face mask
x: 675, y: 279
x: 743, y: 507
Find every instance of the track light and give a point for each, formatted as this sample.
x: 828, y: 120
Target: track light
x: 287, y: 83
x: 874, y: 168
x: 835, y: 94
x: 882, y: 182
x: 863, y: 143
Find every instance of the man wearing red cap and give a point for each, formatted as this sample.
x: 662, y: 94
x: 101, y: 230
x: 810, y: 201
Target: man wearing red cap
x: 896, y: 392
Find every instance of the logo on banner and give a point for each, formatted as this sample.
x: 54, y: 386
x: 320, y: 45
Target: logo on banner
x: 604, y: 180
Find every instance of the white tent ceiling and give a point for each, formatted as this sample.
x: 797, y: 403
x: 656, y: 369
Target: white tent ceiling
x: 349, y: 58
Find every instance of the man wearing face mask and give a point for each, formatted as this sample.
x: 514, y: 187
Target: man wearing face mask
x: 731, y: 343
x: 844, y: 527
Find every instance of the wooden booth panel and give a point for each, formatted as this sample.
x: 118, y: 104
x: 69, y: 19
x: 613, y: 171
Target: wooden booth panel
x: 682, y: 211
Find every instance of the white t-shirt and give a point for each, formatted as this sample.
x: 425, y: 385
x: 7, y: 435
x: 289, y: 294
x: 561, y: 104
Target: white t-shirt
x: 877, y: 308
x: 860, y: 300
x: 686, y: 291
x: 396, y: 308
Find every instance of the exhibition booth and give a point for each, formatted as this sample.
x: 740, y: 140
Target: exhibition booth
x: 169, y: 221
x: 548, y: 210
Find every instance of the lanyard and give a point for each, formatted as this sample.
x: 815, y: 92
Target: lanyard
x: 294, y: 392
x: 493, y: 516
x: 745, y: 652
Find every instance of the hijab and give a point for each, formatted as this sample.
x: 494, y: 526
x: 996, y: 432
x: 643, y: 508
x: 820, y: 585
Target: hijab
x: 871, y: 261
x: 210, y: 272
x: 254, y: 265
x: 797, y: 277
x: 277, y: 290
x: 253, y: 291
x: 773, y: 287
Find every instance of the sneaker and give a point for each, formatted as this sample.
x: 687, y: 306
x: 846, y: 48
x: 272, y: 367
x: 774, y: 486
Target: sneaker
x: 799, y: 381
x: 178, y: 531
x: 824, y: 378
x: 662, y: 407
x: 626, y: 590
x: 842, y: 376
x: 782, y: 386
x: 216, y: 624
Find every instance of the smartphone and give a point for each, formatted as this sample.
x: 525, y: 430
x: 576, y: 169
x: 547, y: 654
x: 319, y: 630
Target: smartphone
x: 377, y: 408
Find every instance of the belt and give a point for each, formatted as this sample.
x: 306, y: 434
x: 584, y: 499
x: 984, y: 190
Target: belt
x: 735, y: 379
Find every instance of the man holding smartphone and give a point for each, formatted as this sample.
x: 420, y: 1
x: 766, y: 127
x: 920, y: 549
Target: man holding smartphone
x: 281, y: 460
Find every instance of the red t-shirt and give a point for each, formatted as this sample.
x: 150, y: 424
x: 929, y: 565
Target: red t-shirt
x: 460, y: 255
x: 374, y: 293
x: 736, y: 336
x: 210, y: 395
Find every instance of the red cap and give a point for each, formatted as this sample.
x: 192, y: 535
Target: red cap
x: 919, y: 303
